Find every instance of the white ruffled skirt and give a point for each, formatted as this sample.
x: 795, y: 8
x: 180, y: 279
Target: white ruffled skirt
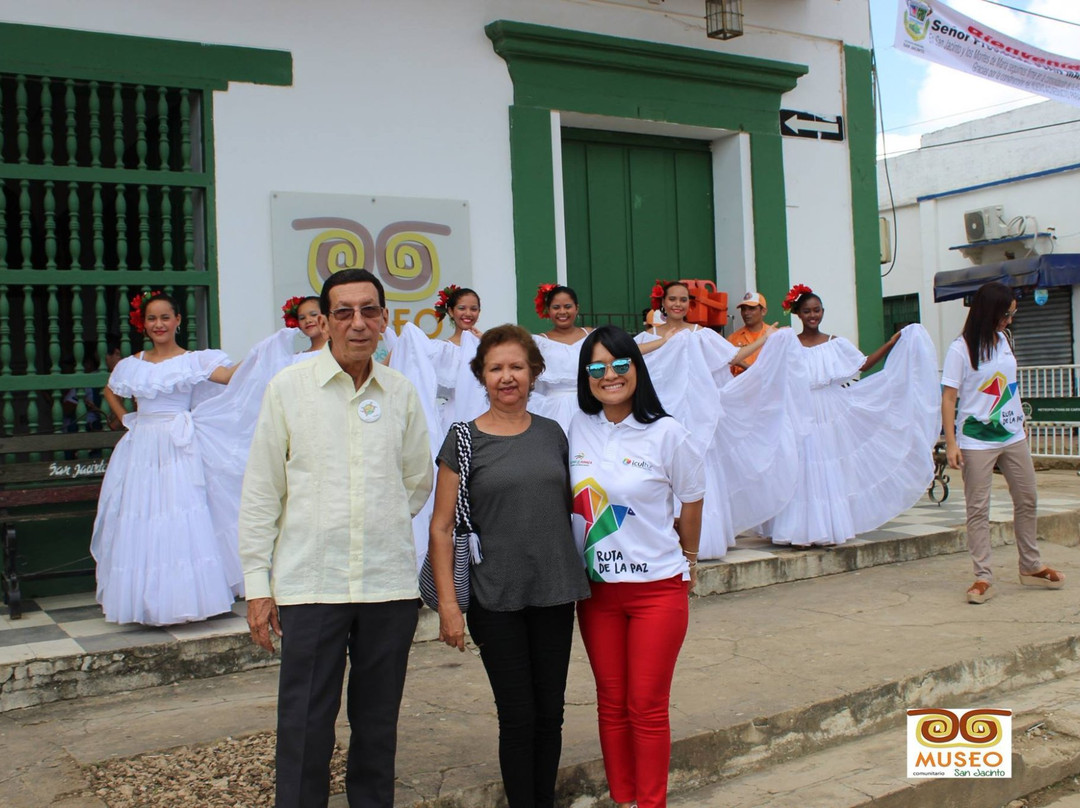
x: 868, y: 454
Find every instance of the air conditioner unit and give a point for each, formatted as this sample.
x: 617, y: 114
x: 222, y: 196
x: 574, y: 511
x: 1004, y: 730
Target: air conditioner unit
x: 985, y: 224
x: 884, y: 242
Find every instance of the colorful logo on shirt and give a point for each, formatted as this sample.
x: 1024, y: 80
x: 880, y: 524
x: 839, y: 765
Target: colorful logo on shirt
x: 580, y: 460
x: 993, y: 430
x: 638, y: 464
x: 602, y: 518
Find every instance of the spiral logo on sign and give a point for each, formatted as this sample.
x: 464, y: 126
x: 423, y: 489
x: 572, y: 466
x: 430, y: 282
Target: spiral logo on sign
x: 404, y: 259
x: 940, y: 728
x: 981, y: 727
x: 408, y: 260
x: 343, y: 244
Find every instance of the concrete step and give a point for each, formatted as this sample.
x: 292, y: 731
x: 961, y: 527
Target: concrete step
x: 766, y: 676
x: 87, y: 657
x: 869, y: 771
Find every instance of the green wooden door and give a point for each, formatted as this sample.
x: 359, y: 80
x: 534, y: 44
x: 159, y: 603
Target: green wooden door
x: 638, y: 209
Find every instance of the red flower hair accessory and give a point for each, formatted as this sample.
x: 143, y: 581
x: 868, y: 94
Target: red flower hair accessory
x: 541, y: 298
x: 291, y: 312
x: 444, y: 300
x: 135, y: 316
x: 656, y: 296
x: 797, y: 291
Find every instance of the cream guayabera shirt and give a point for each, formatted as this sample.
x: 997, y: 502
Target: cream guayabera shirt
x: 333, y: 479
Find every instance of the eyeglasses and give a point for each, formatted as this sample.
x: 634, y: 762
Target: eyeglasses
x: 345, y: 314
x: 598, y: 369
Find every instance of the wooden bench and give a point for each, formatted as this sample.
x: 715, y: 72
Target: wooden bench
x: 38, y: 473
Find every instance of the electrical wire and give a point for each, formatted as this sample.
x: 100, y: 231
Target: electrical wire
x: 1032, y: 13
x: 895, y: 241
x: 954, y: 115
x: 996, y: 134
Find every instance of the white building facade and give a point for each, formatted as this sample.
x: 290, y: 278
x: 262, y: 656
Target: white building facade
x: 605, y: 144
x: 986, y: 199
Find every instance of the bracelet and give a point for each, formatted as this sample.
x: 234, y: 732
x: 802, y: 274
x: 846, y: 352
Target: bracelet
x: 690, y: 552
x: 692, y: 564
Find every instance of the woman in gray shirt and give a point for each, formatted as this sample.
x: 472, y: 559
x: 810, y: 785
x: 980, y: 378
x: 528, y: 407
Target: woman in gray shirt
x: 523, y: 593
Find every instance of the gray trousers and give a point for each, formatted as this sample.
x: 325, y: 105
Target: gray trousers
x: 1014, y: 461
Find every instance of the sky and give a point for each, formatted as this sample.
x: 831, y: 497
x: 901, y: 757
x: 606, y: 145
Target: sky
x: 919, y: 96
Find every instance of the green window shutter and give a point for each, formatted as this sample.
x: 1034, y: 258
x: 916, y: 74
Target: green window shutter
x: 106, y: 190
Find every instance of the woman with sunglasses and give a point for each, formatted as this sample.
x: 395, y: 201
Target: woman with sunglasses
x: 630, y: 463
x: 733, y: 420
x: 867, y: 454
x: 521, y: 615
x: 984, y: 427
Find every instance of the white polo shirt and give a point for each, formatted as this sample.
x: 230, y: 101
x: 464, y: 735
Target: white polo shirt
x: 989, y: 414
x: 626, y: 477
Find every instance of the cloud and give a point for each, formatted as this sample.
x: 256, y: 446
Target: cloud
x: 897, y: 143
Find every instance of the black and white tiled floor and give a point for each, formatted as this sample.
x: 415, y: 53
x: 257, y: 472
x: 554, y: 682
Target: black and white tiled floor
x: 74, y: 624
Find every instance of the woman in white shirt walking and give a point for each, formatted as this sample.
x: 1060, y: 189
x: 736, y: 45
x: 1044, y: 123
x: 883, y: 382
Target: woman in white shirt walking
x: 984, y: 427
x: 629, y: 462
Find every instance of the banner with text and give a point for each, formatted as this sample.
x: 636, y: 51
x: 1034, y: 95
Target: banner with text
x: 939, y: 34
x: 414, y: 246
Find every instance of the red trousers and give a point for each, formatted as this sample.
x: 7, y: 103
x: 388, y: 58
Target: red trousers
x: 633, y: 633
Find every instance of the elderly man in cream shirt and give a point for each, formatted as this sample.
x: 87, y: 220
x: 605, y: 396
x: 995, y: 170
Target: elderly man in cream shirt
x: 339, y: 464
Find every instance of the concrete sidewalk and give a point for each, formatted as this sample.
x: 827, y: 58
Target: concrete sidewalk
x: 767, y: 674
x: 62, y: 648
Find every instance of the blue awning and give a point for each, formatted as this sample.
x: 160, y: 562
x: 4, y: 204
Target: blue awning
x: 1043, y: 271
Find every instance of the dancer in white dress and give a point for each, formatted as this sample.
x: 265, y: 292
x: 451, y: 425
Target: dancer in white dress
x: 164, y: 540
x: 557, y: 385
x: 868, y: 454
x: 304, y: 313
x: 744, y: 425
x: 439, y: 370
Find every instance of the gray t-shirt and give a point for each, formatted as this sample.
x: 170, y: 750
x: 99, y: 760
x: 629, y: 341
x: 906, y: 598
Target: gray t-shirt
x: 519, y: 494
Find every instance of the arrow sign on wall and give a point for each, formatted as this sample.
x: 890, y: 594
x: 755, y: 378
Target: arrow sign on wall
x: 794, y: 123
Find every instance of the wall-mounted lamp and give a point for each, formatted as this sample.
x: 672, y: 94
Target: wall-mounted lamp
x: 723, y: 19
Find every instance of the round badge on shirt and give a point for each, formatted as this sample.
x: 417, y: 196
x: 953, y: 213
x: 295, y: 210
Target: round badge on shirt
x: 369, y: 410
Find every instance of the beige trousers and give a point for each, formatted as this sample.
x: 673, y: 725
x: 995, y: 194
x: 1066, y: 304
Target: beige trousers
x: 1014, y: 461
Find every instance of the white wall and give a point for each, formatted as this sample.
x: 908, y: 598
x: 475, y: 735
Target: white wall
x: 408, y: 98
x: 959, y: 159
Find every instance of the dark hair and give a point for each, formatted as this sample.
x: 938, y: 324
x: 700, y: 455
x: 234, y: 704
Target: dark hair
x: 306, y: 299
x: 559, y: 290
x: 343, y: 276
x: 798, y: 304
x: 667, y: 286
x: 646, y: 405
x: 456, y: 295
x: 146, y: 301
x: 501, y: 335
x: 988, y: 308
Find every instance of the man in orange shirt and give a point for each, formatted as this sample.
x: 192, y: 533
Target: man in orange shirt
x: 752, y: 310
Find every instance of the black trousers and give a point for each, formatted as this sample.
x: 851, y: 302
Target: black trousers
x: 316, y: 637
x: 526, y: 655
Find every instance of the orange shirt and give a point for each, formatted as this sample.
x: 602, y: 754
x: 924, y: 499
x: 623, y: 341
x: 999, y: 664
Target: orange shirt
x: 740, y: 339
